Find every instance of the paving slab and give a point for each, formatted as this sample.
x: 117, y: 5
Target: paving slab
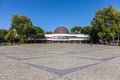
x: 59, y: 62
x: 109, y: 70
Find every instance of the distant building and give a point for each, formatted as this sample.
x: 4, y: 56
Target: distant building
x: 61, y: 35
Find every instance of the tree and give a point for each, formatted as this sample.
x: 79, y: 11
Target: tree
x: 10, y: 36
x: 118, y: 25
x: 38, y: 32
x: 3, y: 32
x: 76, y: 30
x: 104, y: 23
x: 22, y: 25
x: 48, y: 32
x: 87, y: 30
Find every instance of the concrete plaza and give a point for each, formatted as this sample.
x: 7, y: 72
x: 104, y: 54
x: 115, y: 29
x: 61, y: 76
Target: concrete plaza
x: 59, y: 62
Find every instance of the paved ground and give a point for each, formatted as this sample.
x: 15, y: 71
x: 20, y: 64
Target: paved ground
x: 59, y: 62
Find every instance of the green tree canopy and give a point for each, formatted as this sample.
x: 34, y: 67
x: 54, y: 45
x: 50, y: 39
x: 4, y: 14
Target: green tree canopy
x: 10, y: 36
x: 87, y: 30
x: 38, y: 32
x: 48, y: 32
x: 22, y: 25
x: 76, y: 30
x: 3, y: 32
x: 104, y: 23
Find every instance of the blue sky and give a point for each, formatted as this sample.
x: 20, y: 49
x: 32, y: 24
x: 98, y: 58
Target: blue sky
x: 49, y: 14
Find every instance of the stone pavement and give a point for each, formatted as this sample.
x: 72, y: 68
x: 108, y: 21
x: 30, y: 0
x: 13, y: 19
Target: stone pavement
x: 60, y: 62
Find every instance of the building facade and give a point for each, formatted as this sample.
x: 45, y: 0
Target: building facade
x: 62, y: 35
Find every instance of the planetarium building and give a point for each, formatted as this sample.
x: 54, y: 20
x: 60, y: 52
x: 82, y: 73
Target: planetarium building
x: 62, y: 35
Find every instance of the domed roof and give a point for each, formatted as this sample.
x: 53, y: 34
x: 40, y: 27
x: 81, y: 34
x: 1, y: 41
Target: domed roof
x: 61, y: 30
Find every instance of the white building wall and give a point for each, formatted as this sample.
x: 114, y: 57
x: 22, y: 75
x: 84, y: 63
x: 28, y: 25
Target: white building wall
x: 71, y: 37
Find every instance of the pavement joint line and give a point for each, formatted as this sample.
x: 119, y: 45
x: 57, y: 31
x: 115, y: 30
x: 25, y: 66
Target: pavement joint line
x: 22, y: 59
x: 59, y: 78
x: 35, y: 58
x: 18, y: 59
x: 109, y: 58
x: 64, y: 71
x: 103, y: 59
x: 93, y: 50
x: 87, y: 58
x: 80, y: 53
